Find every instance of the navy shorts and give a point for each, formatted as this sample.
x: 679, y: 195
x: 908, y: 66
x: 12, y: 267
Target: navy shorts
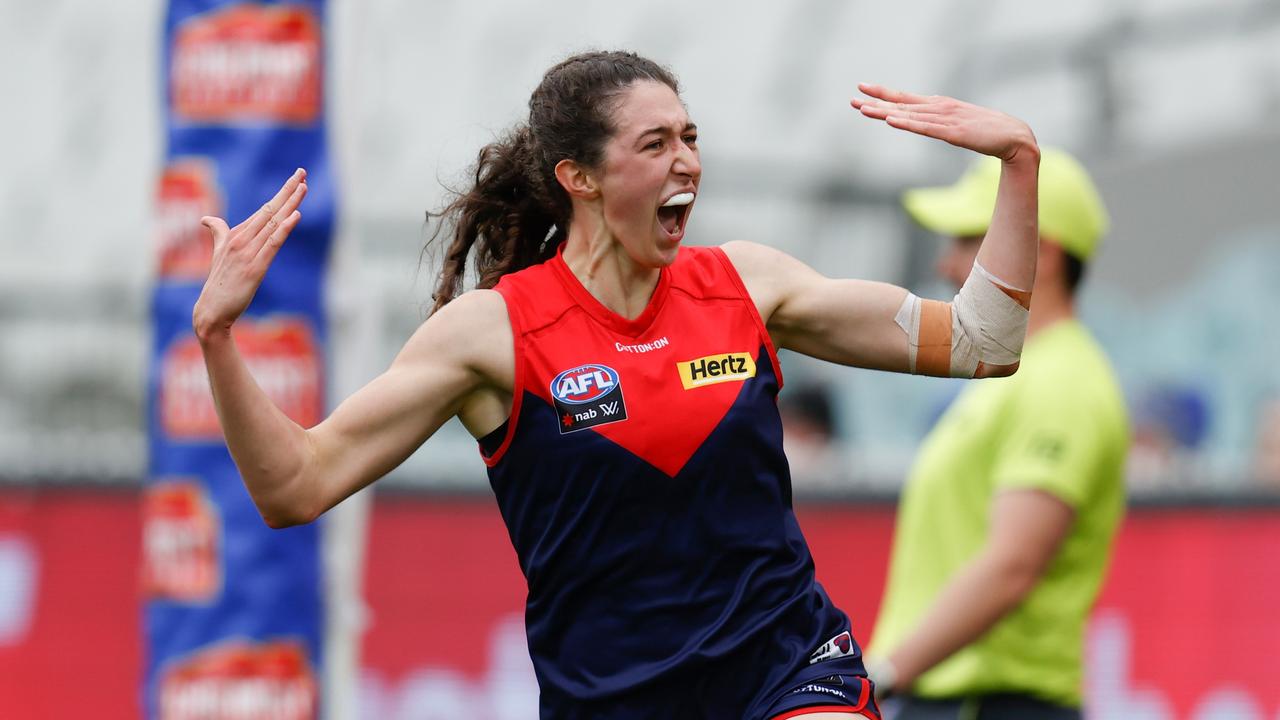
x: 828, y: 686
x: 746, y: 685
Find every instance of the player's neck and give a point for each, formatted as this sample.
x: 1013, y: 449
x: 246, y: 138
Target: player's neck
x: 606, y: 271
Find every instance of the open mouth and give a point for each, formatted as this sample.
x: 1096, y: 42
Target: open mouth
x: 672, y: 214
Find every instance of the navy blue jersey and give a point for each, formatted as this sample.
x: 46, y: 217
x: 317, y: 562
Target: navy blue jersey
x: 642, y: 480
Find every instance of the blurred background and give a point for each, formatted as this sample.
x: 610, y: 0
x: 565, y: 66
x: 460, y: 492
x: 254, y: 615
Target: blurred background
x: 1171, y: 104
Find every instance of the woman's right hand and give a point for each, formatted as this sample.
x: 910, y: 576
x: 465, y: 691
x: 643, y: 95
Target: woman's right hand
x: 241, y: 256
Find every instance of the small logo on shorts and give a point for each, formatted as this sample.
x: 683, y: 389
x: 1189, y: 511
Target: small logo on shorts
x: 817, y: 688
x: 837, y: 647
x: 586, y: 396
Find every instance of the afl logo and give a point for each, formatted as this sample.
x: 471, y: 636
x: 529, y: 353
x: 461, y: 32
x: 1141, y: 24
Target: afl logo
x: 587, y: 396
x: 584, y: 384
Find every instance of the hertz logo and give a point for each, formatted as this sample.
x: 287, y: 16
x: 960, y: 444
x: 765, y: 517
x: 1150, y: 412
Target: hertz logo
x: 712, y: 369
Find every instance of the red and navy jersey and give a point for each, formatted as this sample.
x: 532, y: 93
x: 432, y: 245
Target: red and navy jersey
x: 643, y: 483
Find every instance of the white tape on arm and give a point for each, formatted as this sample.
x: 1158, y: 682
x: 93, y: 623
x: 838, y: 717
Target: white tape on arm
x: 908, y: 318
x: 988, y: 326
x: 982, y: 325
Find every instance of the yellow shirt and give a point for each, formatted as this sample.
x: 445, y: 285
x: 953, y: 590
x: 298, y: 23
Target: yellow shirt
x: 1059, y: 424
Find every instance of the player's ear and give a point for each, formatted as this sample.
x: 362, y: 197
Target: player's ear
x: 577, y: 180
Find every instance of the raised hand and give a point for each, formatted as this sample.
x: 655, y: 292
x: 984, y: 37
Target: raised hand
x: 962, y: 124
x: 241, y: 256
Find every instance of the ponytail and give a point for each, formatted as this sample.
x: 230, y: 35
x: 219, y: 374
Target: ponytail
x: 507, y: 216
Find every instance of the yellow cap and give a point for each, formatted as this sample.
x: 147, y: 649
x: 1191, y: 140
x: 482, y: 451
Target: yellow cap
x: 1071, y: 211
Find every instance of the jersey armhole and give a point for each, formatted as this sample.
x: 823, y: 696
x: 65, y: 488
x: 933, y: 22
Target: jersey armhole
x: 736, y: 279
x: 517, y: 386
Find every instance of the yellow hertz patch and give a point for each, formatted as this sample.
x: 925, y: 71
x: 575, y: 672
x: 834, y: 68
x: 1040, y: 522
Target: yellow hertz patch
x: 712, y: 369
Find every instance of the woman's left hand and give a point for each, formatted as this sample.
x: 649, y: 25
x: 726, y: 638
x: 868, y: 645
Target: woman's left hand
x: 962, y: 124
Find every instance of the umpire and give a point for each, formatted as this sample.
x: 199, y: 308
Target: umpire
x: 1008, y: 516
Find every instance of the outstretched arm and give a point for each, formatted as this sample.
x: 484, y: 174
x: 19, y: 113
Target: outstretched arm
x: 877, y: 325
x: 294, y: 474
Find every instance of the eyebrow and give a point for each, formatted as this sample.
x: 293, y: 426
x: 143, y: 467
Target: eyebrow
x: 662, y: 129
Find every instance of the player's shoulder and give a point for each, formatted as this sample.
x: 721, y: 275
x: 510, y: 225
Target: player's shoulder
x: 480, y: 308
x: 753, y: 256
x: 757, y: 263
x: 768, y: 274
x: 732, y: 270
x: 473, y: 328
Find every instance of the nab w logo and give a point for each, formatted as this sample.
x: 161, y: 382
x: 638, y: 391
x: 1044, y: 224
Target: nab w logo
x: 586, y: 396
x: 713, y: 369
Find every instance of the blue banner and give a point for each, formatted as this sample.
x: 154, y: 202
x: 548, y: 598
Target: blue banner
x: 234, y: 610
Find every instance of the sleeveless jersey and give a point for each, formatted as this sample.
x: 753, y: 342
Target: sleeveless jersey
x: 642, y: 481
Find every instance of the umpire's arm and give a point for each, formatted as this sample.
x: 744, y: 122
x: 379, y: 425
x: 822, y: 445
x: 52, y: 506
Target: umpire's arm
x: 1028, y: 527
